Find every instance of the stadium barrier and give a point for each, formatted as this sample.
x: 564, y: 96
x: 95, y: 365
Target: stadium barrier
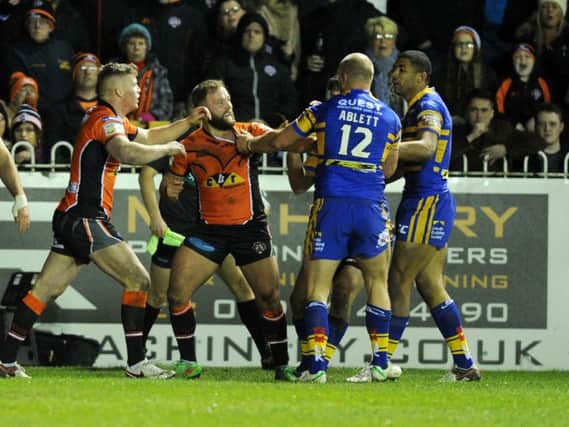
x: 507, y: 270
x: 268, y: 166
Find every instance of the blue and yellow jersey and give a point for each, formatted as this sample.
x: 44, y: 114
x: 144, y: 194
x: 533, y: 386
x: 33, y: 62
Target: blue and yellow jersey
x: 428, y: 113
x: 355, y: 133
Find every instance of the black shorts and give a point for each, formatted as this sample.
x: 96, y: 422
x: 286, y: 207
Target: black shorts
x: 79, y: 237
x: 247, y: 243
x: 164, y: 253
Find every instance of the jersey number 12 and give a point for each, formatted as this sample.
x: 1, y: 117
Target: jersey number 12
x: 359, y: 149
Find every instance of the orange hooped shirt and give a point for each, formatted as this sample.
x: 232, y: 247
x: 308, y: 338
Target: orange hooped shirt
x: 227, y: 182
x: 93, y: 169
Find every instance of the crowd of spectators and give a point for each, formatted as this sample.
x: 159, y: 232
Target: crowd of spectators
x: 501, y: 66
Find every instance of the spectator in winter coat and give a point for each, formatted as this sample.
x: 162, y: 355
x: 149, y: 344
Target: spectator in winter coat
x: 22, y: 90
x: 548, y: 31
x: 179, y: 39
x: 260, y: 85
x: 549, y: 126
x: 464, y: 70
x: 65, y: 120
x: 524, y: 90
x: 382, y: 33
x: 484, y: 136
x: 156, y: 98
x: 40, y: 56
x: 27, y: 126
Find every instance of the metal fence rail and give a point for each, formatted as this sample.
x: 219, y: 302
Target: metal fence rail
x: 276, y: 165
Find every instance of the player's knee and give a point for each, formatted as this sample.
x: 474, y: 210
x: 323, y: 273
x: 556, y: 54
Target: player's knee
x: 158, y: 292
x: 175, y: 297
x: 268, y: 298
x: 136, y: 279
x: 398, y: 291
x: 157, y: 298
x: 432, y: 294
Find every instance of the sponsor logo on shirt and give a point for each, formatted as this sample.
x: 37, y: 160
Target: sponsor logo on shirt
x: 113, y: 128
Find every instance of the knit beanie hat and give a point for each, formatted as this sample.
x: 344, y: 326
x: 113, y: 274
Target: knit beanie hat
x: 42, y: 8
x: 468, y: 30
x: 135, y: 30
x: 17, y: 81
x: 27, y: 114
x: 83, y: 57
x: 525, y: 47
x: 561, y: 3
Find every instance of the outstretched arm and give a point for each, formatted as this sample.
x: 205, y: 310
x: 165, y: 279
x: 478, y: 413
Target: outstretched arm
x: 277, y: 140
x: 11, y: 179
x: 146, y: 181
x: 171, y: 132
x: 134, y: 153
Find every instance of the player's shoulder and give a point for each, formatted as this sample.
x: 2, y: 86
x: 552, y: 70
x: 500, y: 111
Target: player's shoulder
x: 191, y: 134
x: 98, y: 112
x: 389, y: 115
x: 102, y: 115
x: 431, y: 100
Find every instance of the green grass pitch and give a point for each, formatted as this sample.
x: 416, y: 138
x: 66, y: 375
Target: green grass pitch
x: 249, y: 397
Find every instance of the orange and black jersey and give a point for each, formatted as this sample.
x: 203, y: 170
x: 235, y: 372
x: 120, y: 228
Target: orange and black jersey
x: 227, y: 182
x: 93, y: 170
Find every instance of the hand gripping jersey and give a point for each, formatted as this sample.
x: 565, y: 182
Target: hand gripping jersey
x: 93, y: 170
x: 355, y: 133
x: 180, y: 214
x: 227, y: 182
x: 428, y: 113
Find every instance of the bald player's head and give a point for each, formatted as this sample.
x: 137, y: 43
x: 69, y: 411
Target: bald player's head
x: 111, y: 77
x: 356, y: 69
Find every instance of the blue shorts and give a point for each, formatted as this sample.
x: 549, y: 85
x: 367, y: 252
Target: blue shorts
x: 340, y: 228
x: 427, y: 220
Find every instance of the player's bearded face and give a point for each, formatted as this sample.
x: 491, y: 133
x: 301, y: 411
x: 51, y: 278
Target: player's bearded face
x: 219, y: 104
x: 223, y: 121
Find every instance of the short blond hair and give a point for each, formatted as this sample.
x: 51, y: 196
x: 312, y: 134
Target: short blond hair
x: 114, y: 69
x: 382, y: 23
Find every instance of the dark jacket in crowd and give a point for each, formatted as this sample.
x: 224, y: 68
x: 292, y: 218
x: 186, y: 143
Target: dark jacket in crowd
x: 519, y: 100
x: 435, y: 20
x: 70, y: 24
x: 260, y: 84
x: 62, y: 124
x: 156, y: 95
x: 324, y: 22
x: 105, y: 19
x: 48, y: 63
x: 179, y: 38
x: 554, y: 63
x: 555, y: 161
x: 454, y: 83
x: 518, y: 144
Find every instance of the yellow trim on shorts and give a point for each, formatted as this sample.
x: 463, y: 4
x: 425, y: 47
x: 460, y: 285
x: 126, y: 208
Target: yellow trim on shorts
x: 351, y: 164
x: 309, y: 238
x: 422, y: 220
